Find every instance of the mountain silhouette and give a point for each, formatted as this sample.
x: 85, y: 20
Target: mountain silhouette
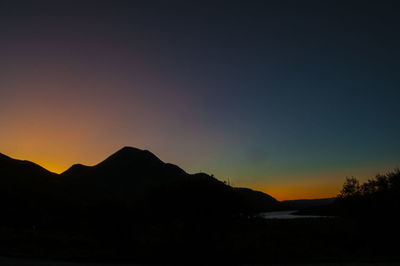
x: 129, y: 181
x: 24, y: 177
x: 26, y: 190
x: 129, y: 170
x: 12, y: 170
x: 139, y: 175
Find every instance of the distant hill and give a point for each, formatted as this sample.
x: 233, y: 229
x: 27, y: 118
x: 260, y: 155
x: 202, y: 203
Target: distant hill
x: 13, y: 170
x: 306, y: 203
x: 129, y: 170
x: 26, y: 189
x: 140, y: 176
x: 131, y: 181
x: 23, y: 179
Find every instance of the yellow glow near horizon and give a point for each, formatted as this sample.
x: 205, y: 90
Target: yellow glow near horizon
x: 298, y: 190
x: 293, y: 193
x: 312, y: 188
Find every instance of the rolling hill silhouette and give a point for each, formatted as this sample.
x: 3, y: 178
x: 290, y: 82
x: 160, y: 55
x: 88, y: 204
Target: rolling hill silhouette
x: 130, y: 181
x: 139, y: 176
x: 26, y: 189
x: 132, y: 206
x: 127, y: 171
x: 13, y: 170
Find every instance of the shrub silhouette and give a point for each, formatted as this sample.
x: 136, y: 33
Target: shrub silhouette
x: 351, y: 188
x: 379, y: 196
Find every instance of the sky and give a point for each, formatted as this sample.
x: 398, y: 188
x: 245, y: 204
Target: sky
x: 286, y: 97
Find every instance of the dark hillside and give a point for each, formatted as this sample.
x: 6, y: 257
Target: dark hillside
x: 130, y: 184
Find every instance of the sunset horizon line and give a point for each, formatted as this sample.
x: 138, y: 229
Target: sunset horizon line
x: 263, y: 190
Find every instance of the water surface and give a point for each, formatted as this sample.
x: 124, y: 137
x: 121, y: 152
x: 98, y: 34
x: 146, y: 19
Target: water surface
x: 287, y: 215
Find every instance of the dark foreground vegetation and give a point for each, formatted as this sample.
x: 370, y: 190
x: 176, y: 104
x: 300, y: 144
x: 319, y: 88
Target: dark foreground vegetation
x: 132, y: 207
x: 378, y: 198
x: 211, y: 241
x: 373, y: 207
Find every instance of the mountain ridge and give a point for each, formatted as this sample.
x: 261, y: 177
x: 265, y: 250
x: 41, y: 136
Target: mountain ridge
x: 128, y: 177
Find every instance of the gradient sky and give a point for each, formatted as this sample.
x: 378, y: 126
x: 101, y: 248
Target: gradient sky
x: 288, y: 97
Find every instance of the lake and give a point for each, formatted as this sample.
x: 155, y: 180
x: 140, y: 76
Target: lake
x: 287, y: 215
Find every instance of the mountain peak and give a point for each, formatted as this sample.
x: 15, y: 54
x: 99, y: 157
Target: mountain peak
x: 124, y: 158
x: 129, y: 149
x: 74, y: 169
x: 131, y: 154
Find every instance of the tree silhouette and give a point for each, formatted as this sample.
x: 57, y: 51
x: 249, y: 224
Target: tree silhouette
x: 351, y: 188
x: 379, y: 197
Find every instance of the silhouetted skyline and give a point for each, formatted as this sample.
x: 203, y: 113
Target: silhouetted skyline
x: 287, y: 97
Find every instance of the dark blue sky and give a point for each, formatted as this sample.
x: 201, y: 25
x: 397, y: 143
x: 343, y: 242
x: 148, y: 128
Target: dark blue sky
x: 285, y: 96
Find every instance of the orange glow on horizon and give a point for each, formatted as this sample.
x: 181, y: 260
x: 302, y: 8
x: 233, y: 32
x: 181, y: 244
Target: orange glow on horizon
x: 281, y: 193
x: 295, y: 193
x: 312, y: 185
x: 52, y: 167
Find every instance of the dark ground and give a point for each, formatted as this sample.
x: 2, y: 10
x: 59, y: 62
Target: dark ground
x: 245, y: 241
x: 35, y: 262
